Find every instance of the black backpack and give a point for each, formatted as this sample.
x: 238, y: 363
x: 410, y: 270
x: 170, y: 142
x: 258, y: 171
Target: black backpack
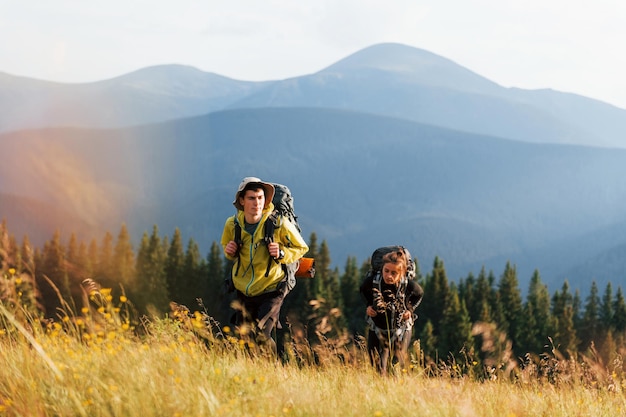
x: 283, y: 207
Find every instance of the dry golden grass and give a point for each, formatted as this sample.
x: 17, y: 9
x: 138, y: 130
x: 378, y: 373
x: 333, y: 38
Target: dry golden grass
x: 99, y: 362
x: 178, y: 368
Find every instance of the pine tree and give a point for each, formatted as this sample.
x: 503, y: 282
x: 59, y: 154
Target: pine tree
x: 618, y: 324
x: 193, y: 281
x: 536, y: 317
x: 467, y: 293
x: 217, y: 300
x: 28, y: 256
x: 327, y: 302
x: 590, y: 329
x: 428, y: 341
x: 18, y: 290
x: 511, y: 299
x: 53, y: 267
x: 123, y: 265
x: 297, y: 307
x: 174, y: 264
x: 606, y: 310
x: 71, y: 256
x: 105, y: 274
x: 481, y: 310
x: 565, y: 336
x: 436, y: 291
x: 352, y: 303
x: 84, y: 262
x: 93, y: 258
x: 456, y: 328
x: 152, y: 296
x: 75, y: 270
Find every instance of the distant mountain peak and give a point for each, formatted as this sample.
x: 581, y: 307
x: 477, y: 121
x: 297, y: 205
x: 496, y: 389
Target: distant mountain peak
x: 392, y: 57
x: 414, y: 65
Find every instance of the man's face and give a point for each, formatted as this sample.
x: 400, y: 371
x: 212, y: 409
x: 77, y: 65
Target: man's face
x: 253, y: 202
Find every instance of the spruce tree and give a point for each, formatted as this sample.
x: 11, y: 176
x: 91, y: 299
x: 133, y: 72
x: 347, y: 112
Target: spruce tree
x: 436, y: 290
x: 152, y: 296
x: 174, y: 264
x: 606, y: 308
x: 28, y: 256
x: 352, y: 303
x: 216, y: 299
x: 327, y: 301
x: 565, y: 336
x: 618, y: 324
x: 535, y: 317
x: 428, y: 341
x: 481, y: 309
x: 467, y: 293
x: 72, y: 260
x: 455, y: 328
x: 53, y: 267
x: 296, y: 306
x: 105, y: 272
x: 590, y: 327
x: 511, y: 299
x: 123, y: 265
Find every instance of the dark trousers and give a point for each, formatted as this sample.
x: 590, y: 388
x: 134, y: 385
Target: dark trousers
x: 385, y: 347
x: 261, y: 313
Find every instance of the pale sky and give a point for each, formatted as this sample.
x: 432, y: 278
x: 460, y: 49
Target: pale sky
x: 571, y: 46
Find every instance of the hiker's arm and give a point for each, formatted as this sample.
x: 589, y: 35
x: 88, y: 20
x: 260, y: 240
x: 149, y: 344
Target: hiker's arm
x: 415, y: 296
x: 366, y: 290
x: 291, y: 242
x: 228, y: 240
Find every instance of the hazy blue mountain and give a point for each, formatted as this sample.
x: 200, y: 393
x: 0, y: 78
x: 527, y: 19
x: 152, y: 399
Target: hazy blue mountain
x: 148, y: 95
x: 385, y: 79
x: 360, y: 181
x: 410, y: 83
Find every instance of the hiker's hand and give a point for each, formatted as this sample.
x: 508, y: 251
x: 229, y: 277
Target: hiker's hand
x: 231, y: 248
x: 370, y: 311
x: 274, y: 249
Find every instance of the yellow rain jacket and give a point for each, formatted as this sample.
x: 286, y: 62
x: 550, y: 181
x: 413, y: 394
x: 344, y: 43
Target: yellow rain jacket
x: 248, y: 272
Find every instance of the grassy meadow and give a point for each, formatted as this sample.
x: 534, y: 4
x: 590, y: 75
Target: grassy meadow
x: 99, y: 363
x: 101, y: 360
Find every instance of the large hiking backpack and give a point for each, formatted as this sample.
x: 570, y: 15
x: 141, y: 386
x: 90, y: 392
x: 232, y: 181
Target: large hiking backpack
x: 283, y: 204
x: 283, y: 207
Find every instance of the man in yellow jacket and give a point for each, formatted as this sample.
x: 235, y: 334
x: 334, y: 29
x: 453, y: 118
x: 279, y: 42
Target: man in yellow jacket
x: 258, y: 274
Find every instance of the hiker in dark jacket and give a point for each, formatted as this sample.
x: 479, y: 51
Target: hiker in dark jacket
x: 257, y: 273
x: 391, y: 301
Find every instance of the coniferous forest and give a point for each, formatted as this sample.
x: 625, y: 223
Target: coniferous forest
x: 482, y: 316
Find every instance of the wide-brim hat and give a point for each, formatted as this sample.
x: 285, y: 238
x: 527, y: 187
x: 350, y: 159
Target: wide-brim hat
x: 269, y: 190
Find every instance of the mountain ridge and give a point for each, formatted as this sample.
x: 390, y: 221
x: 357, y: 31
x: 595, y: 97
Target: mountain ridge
x: 419, y: 86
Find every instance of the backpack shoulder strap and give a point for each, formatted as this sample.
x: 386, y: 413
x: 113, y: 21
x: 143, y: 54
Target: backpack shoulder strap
x: 268, y: 235
x: 238, y: 241
x: 270, y: 225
